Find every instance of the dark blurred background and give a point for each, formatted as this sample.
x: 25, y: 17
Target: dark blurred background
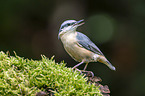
x: 117, y: 27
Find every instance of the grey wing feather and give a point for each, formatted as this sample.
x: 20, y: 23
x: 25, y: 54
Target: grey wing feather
x: 84, y: 41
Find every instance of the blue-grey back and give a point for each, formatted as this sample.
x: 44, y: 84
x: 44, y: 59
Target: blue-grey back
x: 84, y: 41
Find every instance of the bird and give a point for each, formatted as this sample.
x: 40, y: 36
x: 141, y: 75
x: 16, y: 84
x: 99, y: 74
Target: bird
x: 79, y: 46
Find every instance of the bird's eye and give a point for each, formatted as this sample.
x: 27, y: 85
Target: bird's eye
x: 68, y: 24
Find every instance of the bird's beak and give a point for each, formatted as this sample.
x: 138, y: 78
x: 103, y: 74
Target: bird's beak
x: 79, y: 23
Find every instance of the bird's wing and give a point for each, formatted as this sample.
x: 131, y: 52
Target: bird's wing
x: 86, y: 43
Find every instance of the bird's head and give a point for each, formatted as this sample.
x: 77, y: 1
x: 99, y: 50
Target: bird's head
x: 69, y: 26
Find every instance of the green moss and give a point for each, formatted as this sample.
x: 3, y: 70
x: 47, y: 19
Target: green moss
x: 19, y: 76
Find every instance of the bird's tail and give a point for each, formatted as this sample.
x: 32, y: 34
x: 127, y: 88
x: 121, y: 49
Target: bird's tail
x: 110, y: 65
x: 102, y: 59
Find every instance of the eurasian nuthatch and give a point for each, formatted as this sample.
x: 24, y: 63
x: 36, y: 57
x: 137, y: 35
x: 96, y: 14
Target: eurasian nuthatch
x: 79, y: 46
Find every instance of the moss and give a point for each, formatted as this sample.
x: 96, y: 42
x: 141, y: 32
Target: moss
x: 19, y: 76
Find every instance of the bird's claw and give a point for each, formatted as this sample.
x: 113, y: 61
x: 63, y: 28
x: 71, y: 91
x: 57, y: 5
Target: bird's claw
x: 78, y: 70
x: 88, y: 73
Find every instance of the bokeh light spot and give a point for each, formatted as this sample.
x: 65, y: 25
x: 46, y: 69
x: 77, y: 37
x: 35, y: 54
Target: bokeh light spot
x: 101, y: 27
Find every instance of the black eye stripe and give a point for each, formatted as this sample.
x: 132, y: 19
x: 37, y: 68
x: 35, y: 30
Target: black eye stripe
x: 73, y: 23
x: 68, y: 24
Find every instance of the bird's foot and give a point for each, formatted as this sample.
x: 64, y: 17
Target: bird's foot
x: 88, y: 73
x: 78, y: 70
